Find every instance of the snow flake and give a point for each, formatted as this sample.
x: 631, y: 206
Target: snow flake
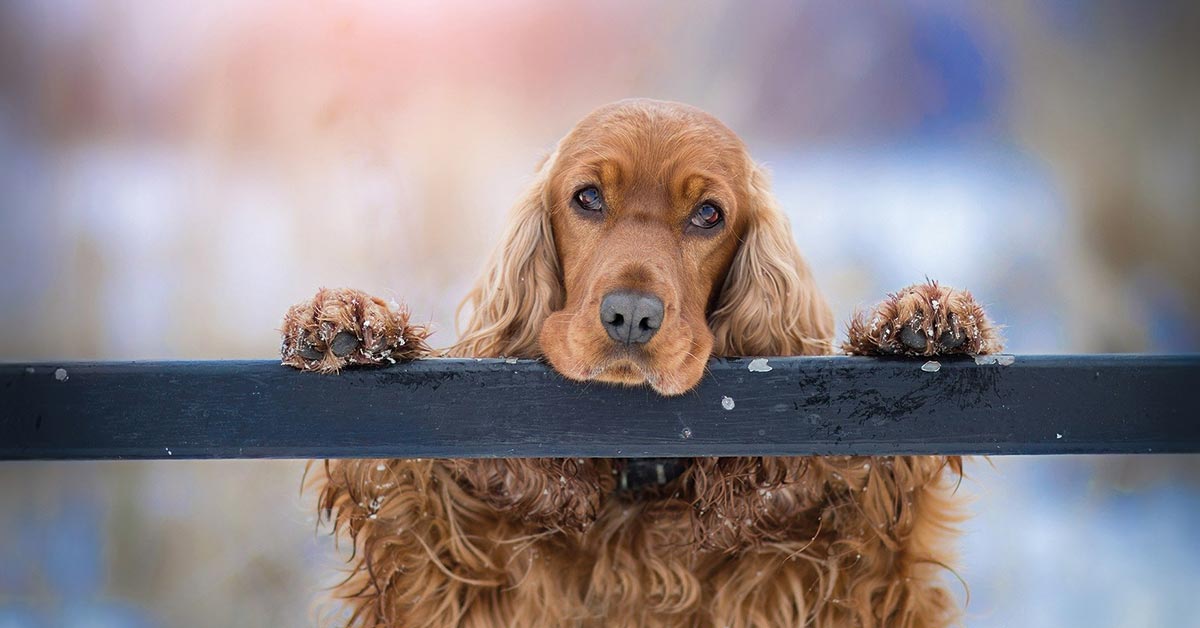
x: 759, y: 365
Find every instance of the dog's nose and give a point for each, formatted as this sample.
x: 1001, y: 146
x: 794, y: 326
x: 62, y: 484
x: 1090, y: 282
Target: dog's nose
x: 629, y: 317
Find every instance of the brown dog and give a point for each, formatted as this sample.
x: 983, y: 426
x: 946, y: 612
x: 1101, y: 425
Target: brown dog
x: 648, y: 243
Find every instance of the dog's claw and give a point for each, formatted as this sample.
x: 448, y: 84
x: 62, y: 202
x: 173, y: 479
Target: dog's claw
x: 309, y: 352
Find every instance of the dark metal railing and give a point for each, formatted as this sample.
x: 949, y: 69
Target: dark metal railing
x: 472, y: 408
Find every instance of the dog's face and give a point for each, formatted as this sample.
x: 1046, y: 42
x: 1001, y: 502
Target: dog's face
x: 646, y: 208
x: 647, y: 243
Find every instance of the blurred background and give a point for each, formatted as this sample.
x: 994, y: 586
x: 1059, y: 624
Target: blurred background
x: 175, y: 175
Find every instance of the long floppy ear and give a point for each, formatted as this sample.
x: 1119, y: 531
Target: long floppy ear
x: 770, y: 304
x: 520, y: 286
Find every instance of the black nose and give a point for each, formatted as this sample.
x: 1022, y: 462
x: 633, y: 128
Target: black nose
x: 631, y: 318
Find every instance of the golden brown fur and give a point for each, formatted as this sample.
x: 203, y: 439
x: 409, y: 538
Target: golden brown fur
x: 739, y: 542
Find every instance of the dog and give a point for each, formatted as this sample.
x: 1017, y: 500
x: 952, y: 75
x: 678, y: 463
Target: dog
x: 647, y: 243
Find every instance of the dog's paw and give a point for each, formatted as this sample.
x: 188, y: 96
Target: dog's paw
x: 923, y: 319
x: 339, y: 328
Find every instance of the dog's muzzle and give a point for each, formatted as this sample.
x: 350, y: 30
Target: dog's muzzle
x: 639, y: 474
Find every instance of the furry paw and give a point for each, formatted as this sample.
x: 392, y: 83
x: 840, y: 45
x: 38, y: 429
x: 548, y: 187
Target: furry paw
x: 923, y: 319
x: 340, y: 328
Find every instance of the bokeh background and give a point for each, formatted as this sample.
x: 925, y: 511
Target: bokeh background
x: 174, y: 175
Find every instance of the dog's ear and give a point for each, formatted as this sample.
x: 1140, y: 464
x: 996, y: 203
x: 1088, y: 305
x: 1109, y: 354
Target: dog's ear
x: 769, y: 304
x: 521, y: 284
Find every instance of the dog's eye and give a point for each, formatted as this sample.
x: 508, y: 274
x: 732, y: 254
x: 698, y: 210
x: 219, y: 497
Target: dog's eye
x: 589, y: 198
x: 707, y: 216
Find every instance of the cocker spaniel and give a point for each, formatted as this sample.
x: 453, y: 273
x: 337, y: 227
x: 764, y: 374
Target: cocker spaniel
x: 647, y: 243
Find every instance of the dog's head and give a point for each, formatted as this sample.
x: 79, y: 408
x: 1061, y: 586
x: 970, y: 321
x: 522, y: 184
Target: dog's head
x: 647, y: 243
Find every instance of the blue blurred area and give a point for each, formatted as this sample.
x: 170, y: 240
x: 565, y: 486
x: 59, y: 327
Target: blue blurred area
x: 968, y: 76
x: 1049, y: 545
x: 53, y: 569
x: 140, y: 544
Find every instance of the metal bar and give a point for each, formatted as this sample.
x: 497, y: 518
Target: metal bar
x: 497, y: 408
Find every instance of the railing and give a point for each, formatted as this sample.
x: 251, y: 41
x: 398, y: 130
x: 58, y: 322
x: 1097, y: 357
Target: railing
x: 504, y: 408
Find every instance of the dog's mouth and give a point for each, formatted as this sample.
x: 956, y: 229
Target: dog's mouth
x: 630, y: 367
x: 622, y: 365
x: 642, y: 476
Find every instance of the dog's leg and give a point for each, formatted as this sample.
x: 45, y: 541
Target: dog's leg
x: 425, y: 552
x: 461, y: 543
x: 401, y: 568
x: 341, y: 327
x: 907, y: 502
x: 924, y: 319
x: 889, y: 523
x: 842, y: 540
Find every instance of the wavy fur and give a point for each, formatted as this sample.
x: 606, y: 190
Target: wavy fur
x: 733, y: 542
